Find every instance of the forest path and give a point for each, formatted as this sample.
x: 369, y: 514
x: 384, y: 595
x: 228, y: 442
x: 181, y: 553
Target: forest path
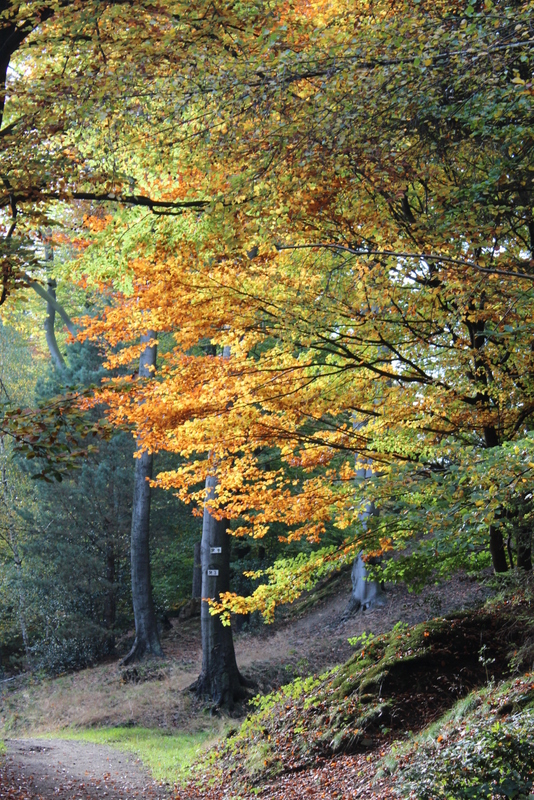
x: 57, y: 769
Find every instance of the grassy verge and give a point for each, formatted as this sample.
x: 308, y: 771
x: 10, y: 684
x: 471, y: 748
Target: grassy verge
x: 168, y: 756
x: 102, y: 697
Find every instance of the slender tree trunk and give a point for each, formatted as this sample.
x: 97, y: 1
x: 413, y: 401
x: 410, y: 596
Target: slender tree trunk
x: 519, y: 529
x: 196, y: 589
x: 146, y: 628
x: 52, y: 306
x: 49, y: 324
x: 365, y: 593
x: 496, y: 543
x: 52, y: 303
x: 498, y: 554
x: 220, y: 680
x: 509, y: 549
x: 523, y: 539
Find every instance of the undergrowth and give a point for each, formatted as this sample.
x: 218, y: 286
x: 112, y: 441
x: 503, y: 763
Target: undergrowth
x: 483, y: 748
x: 396, y: 682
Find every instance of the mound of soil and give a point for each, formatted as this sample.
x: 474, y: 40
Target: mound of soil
x: 396, y: 683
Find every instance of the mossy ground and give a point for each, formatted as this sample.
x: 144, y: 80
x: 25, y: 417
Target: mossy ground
x: 395, y: 683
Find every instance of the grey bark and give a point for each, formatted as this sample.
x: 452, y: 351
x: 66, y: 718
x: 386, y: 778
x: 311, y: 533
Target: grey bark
x: 146, y: 629
x: 365, y: 593
x: 197, y: 572
x: 220, y: 680
x: 52, y: 306
x: 52, y: 303
x: 50, y: 333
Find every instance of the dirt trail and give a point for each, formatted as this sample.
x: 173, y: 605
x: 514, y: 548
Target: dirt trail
x: 55, y: 769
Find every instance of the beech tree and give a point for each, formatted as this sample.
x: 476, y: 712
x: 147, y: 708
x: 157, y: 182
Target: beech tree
x: 359, y: 230
x: 146, y: 627
x: 220, y: 678
x: 391, y: 282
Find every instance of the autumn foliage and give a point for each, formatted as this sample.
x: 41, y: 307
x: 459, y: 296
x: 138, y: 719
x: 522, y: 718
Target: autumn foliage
x: 341, y: 193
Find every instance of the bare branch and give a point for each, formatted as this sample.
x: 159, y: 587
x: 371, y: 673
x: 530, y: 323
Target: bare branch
x: 421, y: 256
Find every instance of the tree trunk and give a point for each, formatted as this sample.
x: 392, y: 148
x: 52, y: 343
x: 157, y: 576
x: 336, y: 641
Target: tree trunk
x: 509, y: 549
x: 523, y: 540
x: 49, y: 326
x: 220, y: 680
x: 496, y: 544
x: 52, y: 307
x: 196, y: 590
x: 365, y: 593
x: 11, y: 37
x: 52, y: 303
x: 498, y: 554
x: 146, y: 628
x: 50, y: 320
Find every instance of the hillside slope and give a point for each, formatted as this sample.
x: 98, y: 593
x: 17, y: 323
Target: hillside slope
x: 351, y: 720
x: 309, y: 637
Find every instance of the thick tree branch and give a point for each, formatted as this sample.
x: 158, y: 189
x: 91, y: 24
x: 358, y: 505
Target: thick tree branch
x: 52, y: 303
x: 133, y: 199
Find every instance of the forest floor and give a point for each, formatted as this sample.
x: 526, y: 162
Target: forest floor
x: 307, y: 638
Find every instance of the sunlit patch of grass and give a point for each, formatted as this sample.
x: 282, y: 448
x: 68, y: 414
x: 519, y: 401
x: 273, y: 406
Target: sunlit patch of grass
x: 168, y: 756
